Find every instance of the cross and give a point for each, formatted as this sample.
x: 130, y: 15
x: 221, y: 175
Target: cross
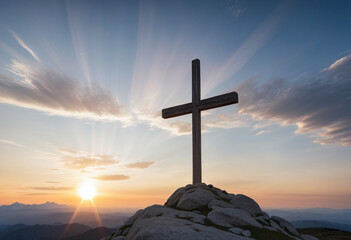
x: 195, y: 107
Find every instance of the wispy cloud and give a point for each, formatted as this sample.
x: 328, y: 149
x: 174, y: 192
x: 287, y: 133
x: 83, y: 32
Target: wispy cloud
x: 11, y: 143
x: 175, y: 127
x: 82, y: 160
x: 111, y: 177
x: 24, y: 45
x: 262, y: 132
x: 227, y: 121
x: 42, y: 89
x: 140, y: 165
x: 38, y: 194
x: 319, y: 106
x: 51, y: 182
x: 44, y: 188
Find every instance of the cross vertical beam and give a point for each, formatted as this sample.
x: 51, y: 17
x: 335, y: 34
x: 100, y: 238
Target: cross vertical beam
x: 196, y: 123
x: 195, y: 108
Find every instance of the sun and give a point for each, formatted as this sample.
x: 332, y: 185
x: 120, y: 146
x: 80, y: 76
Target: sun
x: 87, y: 191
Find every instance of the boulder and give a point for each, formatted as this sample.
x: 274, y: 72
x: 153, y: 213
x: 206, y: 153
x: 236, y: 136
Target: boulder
x: 228, y: 217
x: 203, y: 211
x: 174, y: 229
x: 245, y: 203
x: 236, y: 230
x: 218, y: 203
x: 195, y: 199
x: 174, y: 198
x: 308, y: 237
x: 246, y: 233
x: 287, y: 226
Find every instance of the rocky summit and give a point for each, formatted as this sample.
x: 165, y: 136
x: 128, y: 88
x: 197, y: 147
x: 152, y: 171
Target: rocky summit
x: 204, y: 212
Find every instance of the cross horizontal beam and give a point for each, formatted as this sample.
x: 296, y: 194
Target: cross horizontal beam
x: 205, y: 104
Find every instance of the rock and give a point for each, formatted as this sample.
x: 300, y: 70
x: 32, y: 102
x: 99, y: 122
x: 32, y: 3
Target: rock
x: 228, y: 217
x: 203, y: 211
x: 270, y: 228
x: 192, y: 216
x: 195, y: 199
x: 265, y: 216
x: 132, y: 219
x: 245, y: 203
x: 236, y: 230
x: 218, y: 203
x: 118, y: 238
x: 126, y: 231
x: 200, y: 185
x: 308, y: 237
x: 174, y: 229
x: 246, y: 233
x: 222, y: 194
x: 276, y: 226
x: 287, y: 226
x: 261, y: 220
x: 174, y: 198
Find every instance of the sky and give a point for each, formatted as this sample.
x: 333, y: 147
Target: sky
x: 83, y: 83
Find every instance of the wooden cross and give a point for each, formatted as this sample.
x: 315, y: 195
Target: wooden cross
x: 195, y: 107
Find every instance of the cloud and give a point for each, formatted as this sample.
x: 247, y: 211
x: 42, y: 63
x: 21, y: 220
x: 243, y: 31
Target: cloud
x: 52, y: 182
x: 140, y: 165
x: 39, y: 88
x: 175, y: 127
x: 84, y: 160
x: 319, y: 106
x: 227, y: 122
x: 11, y: 143
x: 24, y: 45
x: 52, y: 188
x: 262, y: 132
x: 111, y: 177
x: 38, y: 194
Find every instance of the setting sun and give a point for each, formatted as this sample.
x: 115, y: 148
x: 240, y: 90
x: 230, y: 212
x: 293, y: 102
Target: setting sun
x: 87, y: 191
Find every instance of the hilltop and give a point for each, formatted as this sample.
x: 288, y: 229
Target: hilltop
x: 203, y: 211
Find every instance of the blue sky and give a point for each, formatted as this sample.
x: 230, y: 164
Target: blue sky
x: 82, y: 85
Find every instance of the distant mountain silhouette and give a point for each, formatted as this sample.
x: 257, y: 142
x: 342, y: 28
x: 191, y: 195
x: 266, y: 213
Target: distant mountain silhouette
x: 92, y: 234
x: 326, y: 234
x: 342, y: 216
x: 41, y: 232
x: 51, y: 213
x: 21, y: 206
x: 321, y: 224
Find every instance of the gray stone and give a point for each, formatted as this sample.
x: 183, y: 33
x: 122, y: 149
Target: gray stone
x: 118, y: 238
x: 174, y: 229
x: 174, y: 198
x: 276, y: 226
x: 286, y: 225
x: 195, y: 199
x: 270, y: 228
x: 236, y: 230
x: 262, y: 220
x: 228, y: 217
x: 308, y: 237
x: 265, y: 216
x: 200, y: 185
x: 192, y: 216
x: 218, y: 203
x: 245, y: 203
x: 125, y: 232
x: 246, y: 233
x: 132, y: 219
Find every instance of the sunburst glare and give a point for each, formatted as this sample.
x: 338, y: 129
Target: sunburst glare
x: 87, y: 191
